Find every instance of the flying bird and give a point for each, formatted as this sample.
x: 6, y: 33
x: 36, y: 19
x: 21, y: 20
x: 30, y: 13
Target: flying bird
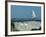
x: 33, y: 14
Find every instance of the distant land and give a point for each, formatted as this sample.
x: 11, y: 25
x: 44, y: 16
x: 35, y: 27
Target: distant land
x: 25, y: 19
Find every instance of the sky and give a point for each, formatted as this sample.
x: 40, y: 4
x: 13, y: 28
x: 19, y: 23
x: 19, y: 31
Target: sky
x: 25, y: 11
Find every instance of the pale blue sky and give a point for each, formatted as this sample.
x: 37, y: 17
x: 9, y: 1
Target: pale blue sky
x: 25, y: 11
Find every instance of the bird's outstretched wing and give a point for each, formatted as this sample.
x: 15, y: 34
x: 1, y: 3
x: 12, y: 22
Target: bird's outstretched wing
x: 33, y: 14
